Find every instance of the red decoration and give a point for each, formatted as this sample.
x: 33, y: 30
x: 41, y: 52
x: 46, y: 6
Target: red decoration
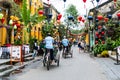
x: 118, y: 14
x: 115, y: 0
x: 106, y: 19
x: 83, y: 20
x: 40, y: 12
x: 102, y: 32
x: 99, y: 27
x: 99, y: 36
x: 96, y: 33
x: 79, y: 18
x: 100, y: 17
x: 18, y: 25
x: 103, y: 42
x: 59, y: 16
x: 96, y: 42
x: 84, y: 1
x: 3, y: 20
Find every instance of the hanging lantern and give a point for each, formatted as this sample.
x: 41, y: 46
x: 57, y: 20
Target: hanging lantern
x: 100, y: 17
x: 40, y: 12
x: 96, y: 33
x: 96, y: 42
x: 70, y: 17
x: 59, y: 16
x: 79, y: 18
x: 64, y: 3
x: 106, y: 19
x: 15, y: 27
x: 84, y: 2
x: 102, y: 32
x: 18, y: 25
x: 99, y: 27
x: 90, y: 18
x: 99, y: 36
x: 83, y: 20
x: 109, y: 16
x: 49, y: 16
x: 1, y: 15
x: 118, y: 15
x: 91, y: 13
x: 3, y: 20
x: 97, y: 0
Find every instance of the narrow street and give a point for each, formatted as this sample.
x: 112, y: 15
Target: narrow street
x: 80, y: 67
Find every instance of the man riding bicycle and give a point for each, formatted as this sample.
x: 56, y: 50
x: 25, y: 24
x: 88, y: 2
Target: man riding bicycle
x: 65, y: 43
x: 49, y: 41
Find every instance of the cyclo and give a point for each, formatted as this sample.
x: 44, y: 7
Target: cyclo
x: 47, y: 57
x: 68, y: 51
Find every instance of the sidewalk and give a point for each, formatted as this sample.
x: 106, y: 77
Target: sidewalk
x: 6, y: 62
x: 111, y: 70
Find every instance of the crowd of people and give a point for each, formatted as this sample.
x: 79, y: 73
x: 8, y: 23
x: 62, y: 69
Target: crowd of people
x: 50, y: 44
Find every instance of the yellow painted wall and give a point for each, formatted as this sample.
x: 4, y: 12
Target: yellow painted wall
x: 87, y: 38
x: 3, y: 35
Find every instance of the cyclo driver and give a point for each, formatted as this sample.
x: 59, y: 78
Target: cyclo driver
x: 49, y: 41
x: 65, y: 43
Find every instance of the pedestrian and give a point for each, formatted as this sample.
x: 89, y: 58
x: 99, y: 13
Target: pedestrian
x: 35, y: 49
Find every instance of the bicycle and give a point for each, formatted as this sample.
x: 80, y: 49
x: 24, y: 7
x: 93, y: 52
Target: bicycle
x: 47, y: 59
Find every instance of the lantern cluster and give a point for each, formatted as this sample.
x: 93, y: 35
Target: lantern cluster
x: 14, y: 21
x: 100, y: 35
x: 80, y: 19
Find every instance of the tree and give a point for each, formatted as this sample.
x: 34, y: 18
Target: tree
x: 71, y: 11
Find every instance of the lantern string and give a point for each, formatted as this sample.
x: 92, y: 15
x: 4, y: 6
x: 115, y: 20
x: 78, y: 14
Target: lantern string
x: 84, y: 5
x: 64, y: 4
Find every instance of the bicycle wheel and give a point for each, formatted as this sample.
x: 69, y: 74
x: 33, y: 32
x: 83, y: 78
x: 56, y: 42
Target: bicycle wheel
x: 48, y: 62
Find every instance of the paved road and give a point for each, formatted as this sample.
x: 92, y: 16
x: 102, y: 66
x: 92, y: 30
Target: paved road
x: 80, y: 67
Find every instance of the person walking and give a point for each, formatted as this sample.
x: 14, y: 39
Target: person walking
x: 35, y: 49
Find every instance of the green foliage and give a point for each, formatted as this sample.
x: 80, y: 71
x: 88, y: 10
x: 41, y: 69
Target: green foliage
x: 62, y: 31
x: 98, y: 48
x: 25, y: 13
x: 18, y: 42
x: 47, y: 28
x: 71, y: 10
x: 104, y: 53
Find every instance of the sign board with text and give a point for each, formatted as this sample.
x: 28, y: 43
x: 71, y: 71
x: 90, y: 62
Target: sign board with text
x: 16, y: 54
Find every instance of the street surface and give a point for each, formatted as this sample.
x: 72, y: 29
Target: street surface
x: 80, y: 67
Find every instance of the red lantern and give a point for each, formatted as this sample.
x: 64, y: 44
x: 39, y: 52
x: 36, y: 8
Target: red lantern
x: 100, y: 17
x: 18, y: 25
x: 99, y: 27
x: 3, y: 20
x: 40, y: 12
x: 83, y: 20
x: 79, y: 18
x: 102, y: 32
x: 59, y: 16
x: 99, y: 36
x: 96, y: 42
x: 118, y: 14
x: 84, y: 1
x: 96, y: 33
x: 106, y: 19
x: 115, y: 0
